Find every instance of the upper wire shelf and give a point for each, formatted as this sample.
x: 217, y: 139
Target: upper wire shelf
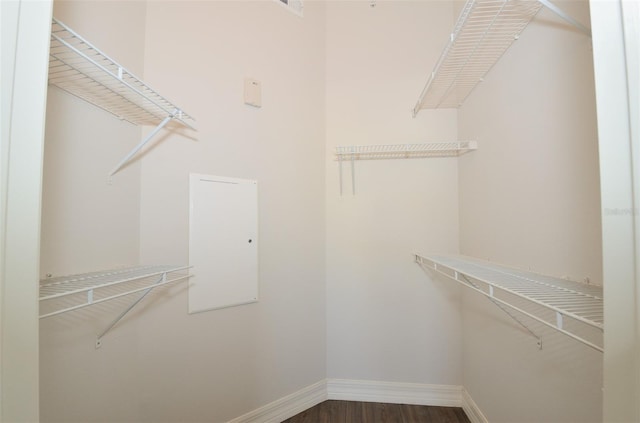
x: 484, y: 31
x: 573, y: 308
x: 398, y: 151
x: 81, y: 69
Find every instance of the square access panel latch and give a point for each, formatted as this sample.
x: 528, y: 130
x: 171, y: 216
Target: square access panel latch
x: 252, y: 92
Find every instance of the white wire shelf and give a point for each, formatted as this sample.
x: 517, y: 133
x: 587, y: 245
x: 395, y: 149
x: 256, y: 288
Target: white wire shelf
x: 83, y: 70
x: 484, y: 31
x: 404, y: 151
x: 557, y: 303
x: 67, y: 293
x: 398, y: 151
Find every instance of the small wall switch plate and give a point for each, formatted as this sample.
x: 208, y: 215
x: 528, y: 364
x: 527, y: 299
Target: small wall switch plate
x: 252, y: 92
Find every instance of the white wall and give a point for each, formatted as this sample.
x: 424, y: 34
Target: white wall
x: 529, y: 197
x: 386, y: 320
x: 218, y: 365
x: 89, y: 224
x: 224, y: 363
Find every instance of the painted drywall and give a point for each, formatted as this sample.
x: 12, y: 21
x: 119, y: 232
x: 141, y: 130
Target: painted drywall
x: 25, y: 42
x: 222, y: 364
x: 386, y: 319
x: 530, y: 198
x: 88, y: 223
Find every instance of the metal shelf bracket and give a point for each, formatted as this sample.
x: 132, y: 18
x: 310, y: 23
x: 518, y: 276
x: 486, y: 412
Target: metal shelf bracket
x: 115, y: 321
x: 562, y: 14
x: 513, y: 317
x: 142, y: 143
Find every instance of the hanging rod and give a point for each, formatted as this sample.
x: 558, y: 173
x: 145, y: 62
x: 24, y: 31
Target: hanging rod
x: 81, y: 69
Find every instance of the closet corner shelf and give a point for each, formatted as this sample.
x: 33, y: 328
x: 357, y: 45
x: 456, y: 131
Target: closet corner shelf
x: 76, y: 66
x: 68, y: 293
x: 484, y: 30
x: 404, y: 151
x: 398, y: 151
x: 572, y: 308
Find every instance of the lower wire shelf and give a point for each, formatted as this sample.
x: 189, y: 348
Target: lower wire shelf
x: 68, y: 293
x: 572, y: 308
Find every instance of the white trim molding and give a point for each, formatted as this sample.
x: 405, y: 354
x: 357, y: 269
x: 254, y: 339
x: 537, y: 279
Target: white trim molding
x: 394, y: 392
x: 471, y: 409
x: 616, y: 25
x: 288, y: 406
x: 367, y: 391
x: 25, y: 33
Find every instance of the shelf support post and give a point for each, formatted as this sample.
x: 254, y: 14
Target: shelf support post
x: 115, y: 321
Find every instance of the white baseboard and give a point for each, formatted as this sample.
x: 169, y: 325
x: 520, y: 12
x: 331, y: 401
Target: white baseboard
x: 471, y: 409
x: 394, y: 392
x: 368, y: 391
x: 286, y: 407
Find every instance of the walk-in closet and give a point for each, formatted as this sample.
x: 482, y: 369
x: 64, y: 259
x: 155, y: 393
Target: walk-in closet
x: 241, y: 211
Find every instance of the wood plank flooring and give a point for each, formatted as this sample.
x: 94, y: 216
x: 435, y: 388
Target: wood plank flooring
x: 372, y: 412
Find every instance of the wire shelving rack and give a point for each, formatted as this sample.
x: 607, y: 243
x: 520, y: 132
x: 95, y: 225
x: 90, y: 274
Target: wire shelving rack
x: 78, y: 67
x: 485, y: 29
x: 398, y: 151
x: 64, y: 294
x: 404, y: 151
x: 572, y: 308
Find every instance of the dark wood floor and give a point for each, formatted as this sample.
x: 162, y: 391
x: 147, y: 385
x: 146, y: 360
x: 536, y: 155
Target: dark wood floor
x: 373, y: 412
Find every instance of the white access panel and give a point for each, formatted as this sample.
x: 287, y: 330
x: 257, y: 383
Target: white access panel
x: 223, y: 242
